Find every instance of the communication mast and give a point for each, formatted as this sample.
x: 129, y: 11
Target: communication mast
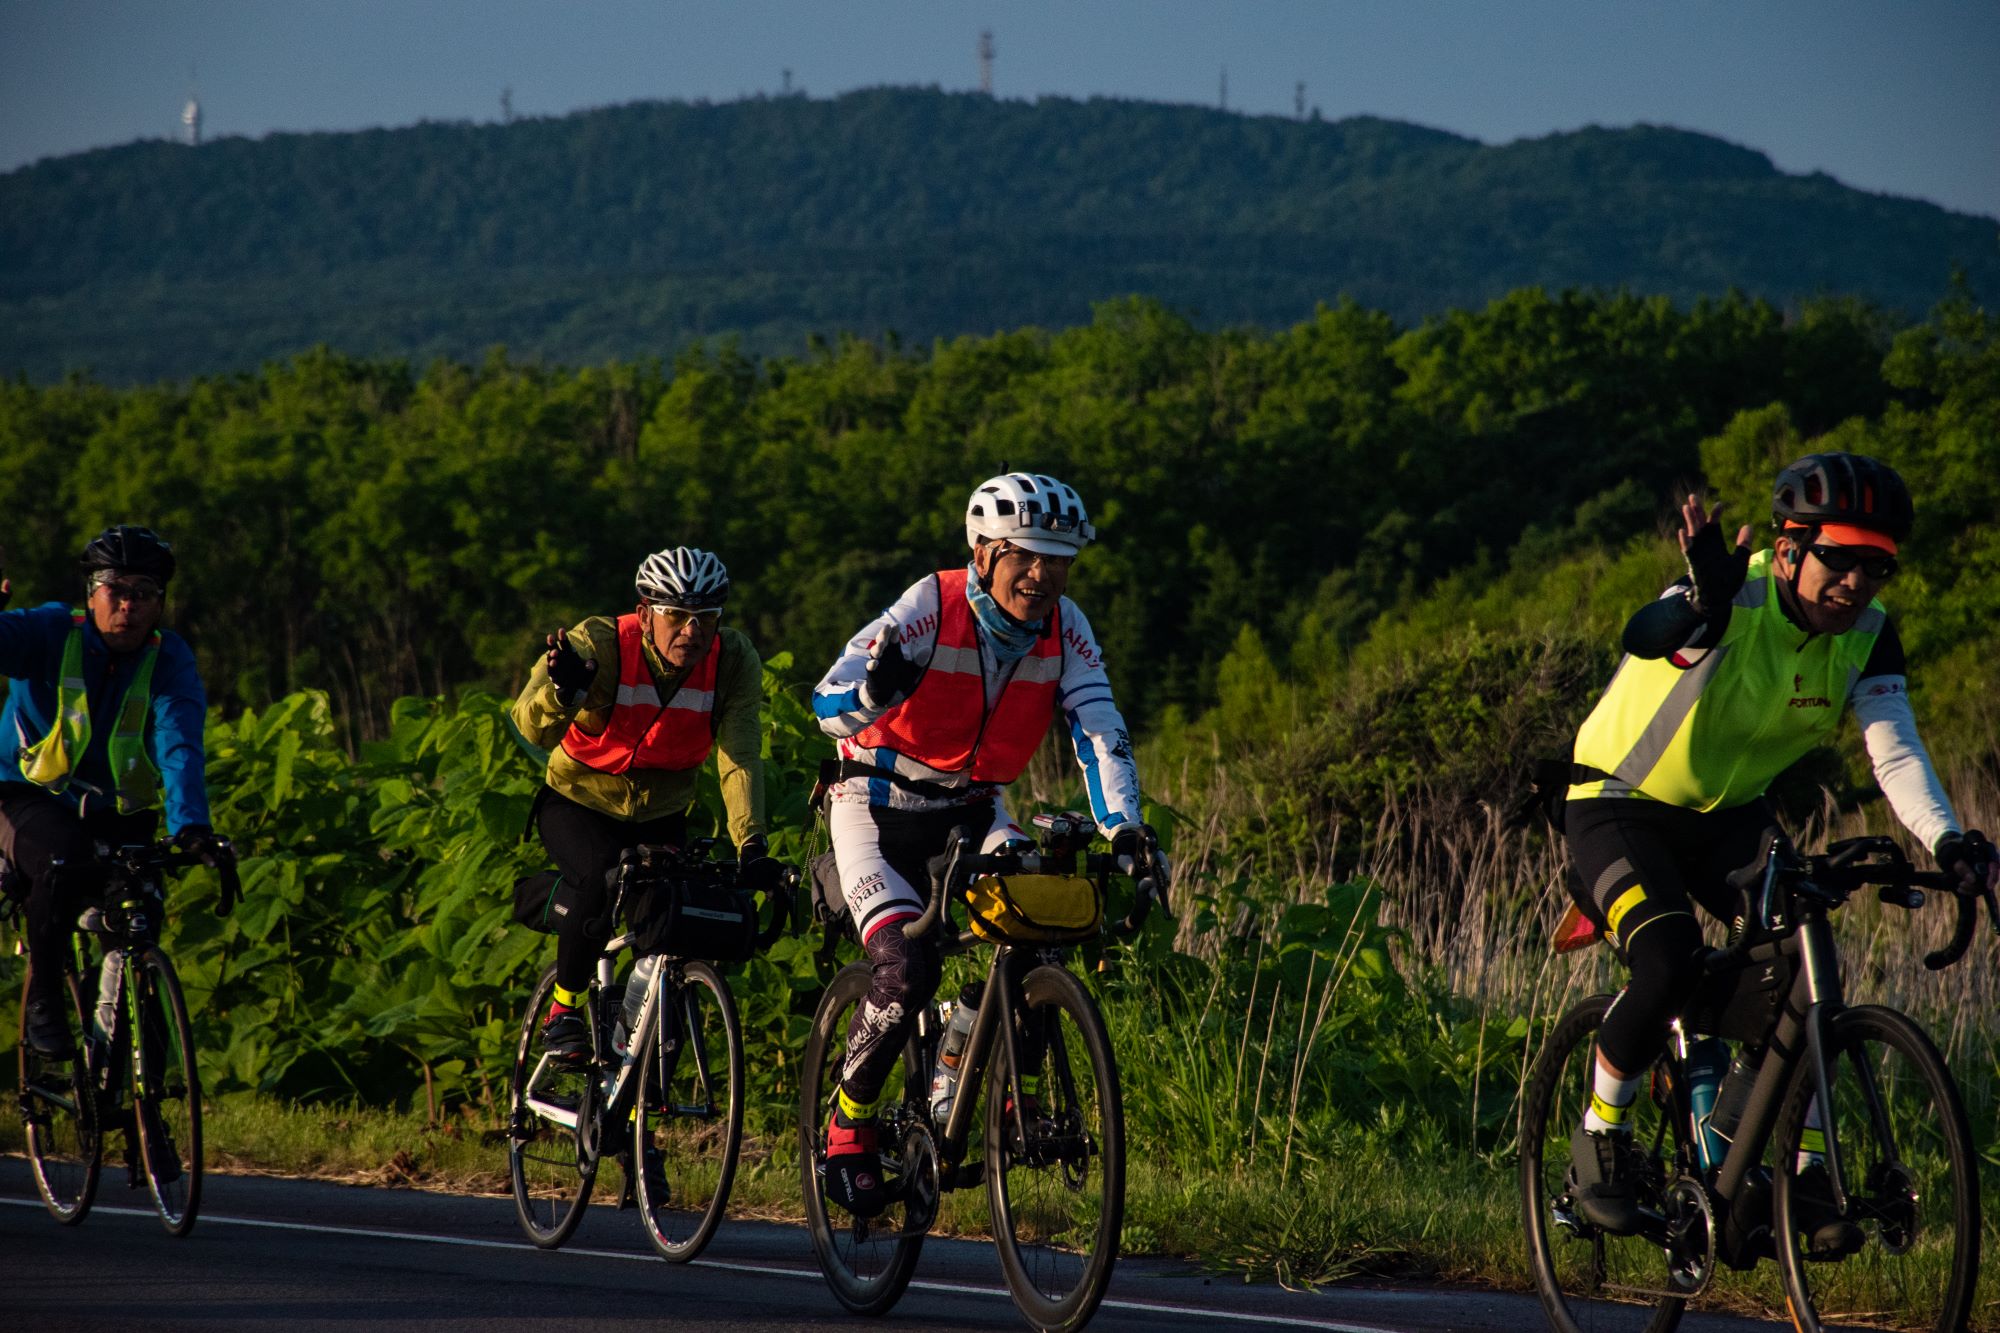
x: 1222, y: 98
x: 1299, y: 99
x: 986, y: 62
x: 191, y: 123
x: 507, y: 106
x: 788, y: 84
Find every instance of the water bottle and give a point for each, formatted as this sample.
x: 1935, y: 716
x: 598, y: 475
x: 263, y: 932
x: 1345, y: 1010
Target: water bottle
x: 1734, y: 1095
x: 1707, y: 1060
x: 634, y: 1003
x: 944, y: 1083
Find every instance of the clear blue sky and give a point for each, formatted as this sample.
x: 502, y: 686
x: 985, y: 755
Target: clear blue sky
x: 1896, y: 97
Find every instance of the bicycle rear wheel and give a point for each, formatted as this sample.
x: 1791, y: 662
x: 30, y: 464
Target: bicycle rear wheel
x: 1911, y: 1177
x: 59, y: 1108
x: 1591, y: 1281
x: 868, y: 1262
x: 166, y: 1090
x: 551, y: 1112
x: 1057, y: 1195
x: 689, y: 1117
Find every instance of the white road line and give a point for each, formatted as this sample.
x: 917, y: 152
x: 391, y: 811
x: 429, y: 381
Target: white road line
x: 763, y: 1270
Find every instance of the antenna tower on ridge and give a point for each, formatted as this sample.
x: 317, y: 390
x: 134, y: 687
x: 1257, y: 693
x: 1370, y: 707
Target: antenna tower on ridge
x: 1299, y: 99
x: 986, y: 62
x: 191, y: 115
x: 1222, y: 98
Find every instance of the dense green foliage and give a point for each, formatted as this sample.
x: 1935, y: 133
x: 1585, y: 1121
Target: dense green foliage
x: 628, y: 231
x: 359, y: 527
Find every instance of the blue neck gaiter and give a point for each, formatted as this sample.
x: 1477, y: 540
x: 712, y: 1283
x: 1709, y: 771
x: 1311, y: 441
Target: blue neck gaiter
x: 1010, y: 638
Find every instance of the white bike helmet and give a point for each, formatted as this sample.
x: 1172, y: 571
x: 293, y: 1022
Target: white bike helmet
x: 685, y: 577
x: 1034, y: 512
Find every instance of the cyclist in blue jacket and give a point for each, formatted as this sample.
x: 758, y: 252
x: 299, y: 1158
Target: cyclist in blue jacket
x: 104, y: 717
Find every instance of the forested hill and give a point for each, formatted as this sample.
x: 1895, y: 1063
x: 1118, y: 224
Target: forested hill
x: 626, y: 232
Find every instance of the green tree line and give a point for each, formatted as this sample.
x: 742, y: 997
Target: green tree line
x: 378, y: 530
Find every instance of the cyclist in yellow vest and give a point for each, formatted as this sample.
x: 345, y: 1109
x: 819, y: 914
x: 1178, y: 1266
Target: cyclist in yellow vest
x: 628, y: 720
x: 103, y: 724
x: 1731, y: 676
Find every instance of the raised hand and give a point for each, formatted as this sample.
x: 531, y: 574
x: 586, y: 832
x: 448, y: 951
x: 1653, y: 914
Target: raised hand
x: 1716, y: 570
x: 569, y: 671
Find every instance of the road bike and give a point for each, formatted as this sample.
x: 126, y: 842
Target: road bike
x: 134, y: 1067
x: 662, y: 1084
x: 1051, y: 1140
x: 1852, y: 1107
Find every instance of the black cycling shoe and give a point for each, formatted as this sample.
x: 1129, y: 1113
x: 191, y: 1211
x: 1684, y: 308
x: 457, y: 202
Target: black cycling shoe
x: 1827, y: 1234
x: 48, y: 1030
x: 1604, y: 1172
x: 565, y: 1036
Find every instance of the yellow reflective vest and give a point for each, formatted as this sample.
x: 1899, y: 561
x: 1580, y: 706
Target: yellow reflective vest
x: 1716, y: 733
x: 51, y: 761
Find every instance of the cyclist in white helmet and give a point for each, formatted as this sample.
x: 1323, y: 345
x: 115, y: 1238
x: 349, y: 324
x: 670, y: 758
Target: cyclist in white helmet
x: 936, y: 705
x: 629, y: 709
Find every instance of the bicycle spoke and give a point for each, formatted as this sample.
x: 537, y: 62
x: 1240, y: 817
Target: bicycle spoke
x: 688, y: 1124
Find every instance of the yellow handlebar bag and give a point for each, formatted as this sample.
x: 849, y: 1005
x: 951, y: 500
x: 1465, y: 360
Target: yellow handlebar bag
x: 1034, y: 909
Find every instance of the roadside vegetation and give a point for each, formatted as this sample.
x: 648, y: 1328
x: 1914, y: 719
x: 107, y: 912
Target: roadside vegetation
x: 1323, y: 1056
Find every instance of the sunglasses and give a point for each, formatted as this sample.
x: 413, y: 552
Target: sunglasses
x: 677, y: 616
x: 137, y: 592
x: 1027, y: 557
x: 1841, y: 560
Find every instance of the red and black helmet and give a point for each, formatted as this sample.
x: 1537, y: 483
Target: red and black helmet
x: 129, y: 550
x: 1843, y: 490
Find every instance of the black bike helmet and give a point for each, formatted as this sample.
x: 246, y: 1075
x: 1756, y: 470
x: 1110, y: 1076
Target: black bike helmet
x: 1849, y: 489
x: 130, y: 550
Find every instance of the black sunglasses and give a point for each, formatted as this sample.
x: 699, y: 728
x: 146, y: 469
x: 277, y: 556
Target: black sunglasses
x: 1841, y: 559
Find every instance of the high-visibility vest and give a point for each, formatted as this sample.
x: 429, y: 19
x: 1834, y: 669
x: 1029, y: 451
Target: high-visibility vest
x: 51, y: 761
x: 1716, y: 734
x: 643, y: 731
x: 944, y: 724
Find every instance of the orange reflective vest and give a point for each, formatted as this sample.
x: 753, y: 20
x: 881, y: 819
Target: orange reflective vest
x: 945, y: 724
x: 644, y: 732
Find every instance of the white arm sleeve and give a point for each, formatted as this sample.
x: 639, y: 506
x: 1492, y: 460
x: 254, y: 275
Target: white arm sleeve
x: 837, y: 698
x: 1096, y: 727
x: 1902, y: 765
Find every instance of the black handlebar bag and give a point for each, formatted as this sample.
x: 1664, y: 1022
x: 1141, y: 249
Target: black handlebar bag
x: 689, y: 917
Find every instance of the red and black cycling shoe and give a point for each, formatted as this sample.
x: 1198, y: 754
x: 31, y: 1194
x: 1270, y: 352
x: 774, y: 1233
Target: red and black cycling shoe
x: 854, y: 1165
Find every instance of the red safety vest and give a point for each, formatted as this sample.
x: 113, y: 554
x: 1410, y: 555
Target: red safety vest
x: 645, y: 732
x: 944, y: 723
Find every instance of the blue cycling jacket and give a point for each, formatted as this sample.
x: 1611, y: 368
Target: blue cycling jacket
x: 31, y: 650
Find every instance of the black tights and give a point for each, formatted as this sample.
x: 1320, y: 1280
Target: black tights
x: 585, y: 845
x: 1637, y: 868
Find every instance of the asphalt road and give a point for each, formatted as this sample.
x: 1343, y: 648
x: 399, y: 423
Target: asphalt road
x: 305, y: 1255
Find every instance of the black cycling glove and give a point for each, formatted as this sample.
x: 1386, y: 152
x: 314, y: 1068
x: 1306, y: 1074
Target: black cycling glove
x: 1137, y: 848
x: 1716, y: 572
x: 756, y: 870
x: 1967, y: 854
x: 891, y: 676
x: 569, y: 672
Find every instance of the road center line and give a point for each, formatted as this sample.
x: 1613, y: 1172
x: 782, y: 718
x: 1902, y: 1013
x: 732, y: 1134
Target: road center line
x: 762, y: 1270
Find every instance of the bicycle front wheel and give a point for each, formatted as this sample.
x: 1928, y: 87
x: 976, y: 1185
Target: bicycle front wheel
x: 868, y: 1262
x: 688, y: 1126
x: 59, y: 1108
x: 1057, y: 1190
x: 551, y: 1109
x: 1589, y: 1280
x: 1911, y: 1179
x: 166, y: 1090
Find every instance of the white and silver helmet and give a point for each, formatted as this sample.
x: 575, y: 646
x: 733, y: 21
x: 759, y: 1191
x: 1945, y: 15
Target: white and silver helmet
x: 685, y: 577
x: 1030, y: 510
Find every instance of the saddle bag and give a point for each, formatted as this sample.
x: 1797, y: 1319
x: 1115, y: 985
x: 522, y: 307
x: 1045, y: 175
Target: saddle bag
x: 1034, y: 909
x: 689, y: 917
